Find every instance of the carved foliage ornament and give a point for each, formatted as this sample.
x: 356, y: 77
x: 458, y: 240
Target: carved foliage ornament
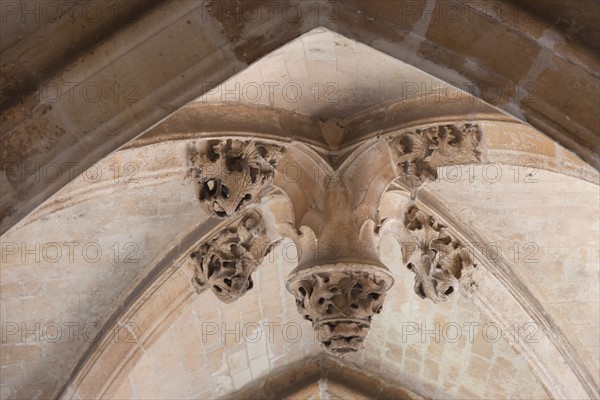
x: 439, y: 262
x: 419, y: 153
x: 225, y: 263
x: 340, y: 304
x: 232, y: 173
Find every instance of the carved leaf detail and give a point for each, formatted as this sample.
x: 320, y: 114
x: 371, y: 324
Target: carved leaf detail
x: 340, y: 306
x: 231, y: 174
x: 419, y: 153
x: 225, y: 263
x: 440, y: 263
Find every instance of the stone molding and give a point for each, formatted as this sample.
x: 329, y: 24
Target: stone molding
x: 325, y: 371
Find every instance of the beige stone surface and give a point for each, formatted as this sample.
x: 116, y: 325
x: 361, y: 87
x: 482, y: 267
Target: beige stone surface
x: 541, y: 223
x: 110, y: 251
x: 413, y: 343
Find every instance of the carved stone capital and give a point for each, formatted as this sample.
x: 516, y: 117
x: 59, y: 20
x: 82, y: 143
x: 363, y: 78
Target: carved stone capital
x: 226, y: 262
x: 232, y: 173
x: 340, y: 301
x: 418, y: 153
x: 440, y: 263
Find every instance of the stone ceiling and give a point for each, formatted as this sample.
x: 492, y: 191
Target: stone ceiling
x: 110, y: 243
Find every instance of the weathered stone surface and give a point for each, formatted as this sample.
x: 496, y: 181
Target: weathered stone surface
x: 225, y: 263
x: 142, y: 214
x: 440, y: 263
x: 231, y: 174
x: 340, y: 302
x: 563, y: 85
x: 418, y: 154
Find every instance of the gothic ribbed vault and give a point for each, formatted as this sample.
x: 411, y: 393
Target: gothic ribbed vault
x: 110, y: 287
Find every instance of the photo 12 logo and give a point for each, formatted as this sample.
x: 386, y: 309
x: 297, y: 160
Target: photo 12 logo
x: 270, y: 92
x: 86, y: 12
x: 55, y: 172
x: 69, y: 252
x: 251, y: 332
x: 71, y: 92
x: 67, y: 332
x: 453, y: 332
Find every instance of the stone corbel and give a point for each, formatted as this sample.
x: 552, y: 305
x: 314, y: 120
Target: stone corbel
x: 441, y: 264
x: 419, y: 153
x: 339, y: 284
x: 231, y: 174
x: 225, y: 263
x: 340, y: 302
